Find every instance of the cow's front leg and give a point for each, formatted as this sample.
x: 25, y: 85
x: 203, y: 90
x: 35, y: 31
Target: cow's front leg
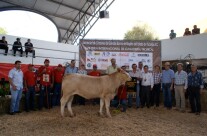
x: 107, y: 105
x: 101, y: 106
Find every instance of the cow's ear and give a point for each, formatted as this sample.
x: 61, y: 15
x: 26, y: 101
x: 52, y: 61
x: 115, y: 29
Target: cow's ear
x: 119, y: 69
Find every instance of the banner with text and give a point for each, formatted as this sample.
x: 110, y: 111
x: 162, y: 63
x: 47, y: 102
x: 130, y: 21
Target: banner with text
x: 100, y: 52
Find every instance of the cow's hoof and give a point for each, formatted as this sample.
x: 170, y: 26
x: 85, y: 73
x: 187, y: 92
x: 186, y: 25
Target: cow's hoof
x: 72, y: 115
x: 109, y: 115
x: 100, y: 114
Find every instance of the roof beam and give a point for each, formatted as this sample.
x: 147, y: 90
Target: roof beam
x: 63, y: 28
x: 42, y: 12
x: 69, y: 6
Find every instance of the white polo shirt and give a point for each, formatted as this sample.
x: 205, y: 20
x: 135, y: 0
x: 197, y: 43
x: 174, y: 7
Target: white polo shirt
x: 17, y: 78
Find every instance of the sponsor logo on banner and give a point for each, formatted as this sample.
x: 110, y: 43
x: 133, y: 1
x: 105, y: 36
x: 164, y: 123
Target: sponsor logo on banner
x: 89, y: 65
x: 113, y: 54
x: 131, y: 60
x: 123, y: 54
x: 103, y: 60
x: 143, y: 55
x: 97, y: 53
x: 133, y: 55
x: 91, y: 59
x: 106, y: 54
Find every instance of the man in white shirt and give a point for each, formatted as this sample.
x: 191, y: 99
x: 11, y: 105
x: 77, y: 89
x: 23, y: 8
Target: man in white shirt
x: 16, y: 86
x: 113, y: 67
x: 136, y: 73
x: 147, y: 85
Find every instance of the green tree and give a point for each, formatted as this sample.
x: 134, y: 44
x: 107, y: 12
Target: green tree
x: 2, y: 31
x: 140, y: 32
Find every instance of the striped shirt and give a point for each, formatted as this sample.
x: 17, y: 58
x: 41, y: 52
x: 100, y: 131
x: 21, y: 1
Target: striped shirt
x: 181, y: 78
x: 157, y: 77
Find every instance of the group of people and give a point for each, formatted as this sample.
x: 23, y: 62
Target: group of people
x: 148, y: 86
x: 43, y: 80
x: 187, y: 32
x: 17, y: 46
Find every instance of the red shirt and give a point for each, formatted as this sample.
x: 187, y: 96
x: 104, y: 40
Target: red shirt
x: 122, y: 92
x: 45, y: 78
x: 30, y: 78
x: 58, y: 75
x: 95, y: 73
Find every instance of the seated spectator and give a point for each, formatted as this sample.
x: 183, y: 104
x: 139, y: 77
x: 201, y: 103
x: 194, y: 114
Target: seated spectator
x: 3, y: 45
x: 29, y: 48
x: 172, y: 34
x: 187, y: 32
x: 17, y: 46
x: 195, y: 30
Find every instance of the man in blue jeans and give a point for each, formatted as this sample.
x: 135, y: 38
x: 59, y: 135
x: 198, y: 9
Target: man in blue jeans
x: 135, y: 73
x: 16, y: 86
x: 168, y: 76
x: 29, y: 83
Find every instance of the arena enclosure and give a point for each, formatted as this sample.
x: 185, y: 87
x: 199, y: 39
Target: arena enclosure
x: 100, y: 52
x: 57, y: 53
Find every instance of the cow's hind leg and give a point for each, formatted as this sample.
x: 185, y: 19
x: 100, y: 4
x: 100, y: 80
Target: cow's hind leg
x: 69, y: 105
x: 101, y: 107
x: 107, y: 105
x: 63, y: 102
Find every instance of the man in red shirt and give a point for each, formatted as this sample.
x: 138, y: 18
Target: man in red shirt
x: 45, y: 74
x: 95, y: 72
x: 58, y: 74
x: 121, y: 98
x: 29, y: 84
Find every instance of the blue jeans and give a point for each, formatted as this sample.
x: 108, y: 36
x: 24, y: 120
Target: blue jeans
x: 137, y: 97
x: 56, y: 94
x: 123, y: 104
x: 44, y: 96
x: 167, y: 95
x: 15, y: 100
x: 30, y: 96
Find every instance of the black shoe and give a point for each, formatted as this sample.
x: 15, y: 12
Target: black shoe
x: 5, y: 54
x: 14, y: 54
x: 33, y: 109
x: 26, y: 56
x: 197, y: 113
x: 11, y: 113
x: 18, y: 112
x: 191, y: 112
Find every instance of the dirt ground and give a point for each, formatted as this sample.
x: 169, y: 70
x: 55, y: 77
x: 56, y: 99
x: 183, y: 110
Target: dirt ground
x: 146, y: 122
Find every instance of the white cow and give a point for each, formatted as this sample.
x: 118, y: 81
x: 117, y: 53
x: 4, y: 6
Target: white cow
x: 91, y: 87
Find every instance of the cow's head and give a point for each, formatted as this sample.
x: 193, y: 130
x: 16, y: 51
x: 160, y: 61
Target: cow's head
x: 123, y: 76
